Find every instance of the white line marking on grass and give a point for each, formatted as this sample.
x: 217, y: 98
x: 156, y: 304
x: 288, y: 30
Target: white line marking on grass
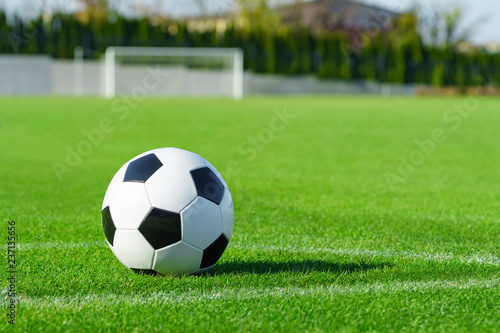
x: 164, y: 298
x: 58, y: 245
x: 485, y: 259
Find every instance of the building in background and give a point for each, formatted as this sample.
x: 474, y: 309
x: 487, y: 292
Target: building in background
x: 355, y: 19
x: 351, y: 17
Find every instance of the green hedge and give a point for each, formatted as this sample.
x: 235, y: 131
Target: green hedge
x: 289, y: 50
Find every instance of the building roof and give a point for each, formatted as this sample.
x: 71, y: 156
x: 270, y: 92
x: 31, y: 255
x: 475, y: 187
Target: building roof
x: 338, y: 15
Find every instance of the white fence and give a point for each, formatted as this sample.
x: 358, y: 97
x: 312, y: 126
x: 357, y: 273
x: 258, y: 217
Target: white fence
x: 25, y: 75
x: 40, y: 75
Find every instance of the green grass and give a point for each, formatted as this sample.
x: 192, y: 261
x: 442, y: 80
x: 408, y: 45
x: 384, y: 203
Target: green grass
x: 324, y: 238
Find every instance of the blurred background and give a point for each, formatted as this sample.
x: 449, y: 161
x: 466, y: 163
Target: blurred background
x: 289, y: 47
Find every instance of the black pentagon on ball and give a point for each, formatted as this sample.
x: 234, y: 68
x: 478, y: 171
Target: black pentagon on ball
x: 214, y: 252
x: 142, y: 168
x: 108, y: 225
x: 208, y: 184
x: 161, y: 228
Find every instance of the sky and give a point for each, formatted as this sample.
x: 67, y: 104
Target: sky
x: 481, y: 16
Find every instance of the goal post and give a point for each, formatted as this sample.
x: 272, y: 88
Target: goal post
x: 193, y: 71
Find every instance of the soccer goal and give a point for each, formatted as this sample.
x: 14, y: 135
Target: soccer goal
x: 173, y: 71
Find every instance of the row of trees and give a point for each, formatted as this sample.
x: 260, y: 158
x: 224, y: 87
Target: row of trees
x: 399, y: 56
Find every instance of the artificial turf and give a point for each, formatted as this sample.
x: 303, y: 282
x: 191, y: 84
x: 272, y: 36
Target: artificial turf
x: 351, y: 214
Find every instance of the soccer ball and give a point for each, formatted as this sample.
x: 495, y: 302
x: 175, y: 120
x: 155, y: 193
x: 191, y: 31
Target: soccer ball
x: 168, y: 211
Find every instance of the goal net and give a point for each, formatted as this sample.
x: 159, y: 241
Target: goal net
x: 173, y: 71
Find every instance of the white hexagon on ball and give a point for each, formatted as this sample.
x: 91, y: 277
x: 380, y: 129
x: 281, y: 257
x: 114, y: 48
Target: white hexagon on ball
x: 180, y: 158
x: 138, y: 256
x: 201, y: 223
x: 227, y: 214
x: 178, y: 258
x: 129, y: 205
x: 171, y: 189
